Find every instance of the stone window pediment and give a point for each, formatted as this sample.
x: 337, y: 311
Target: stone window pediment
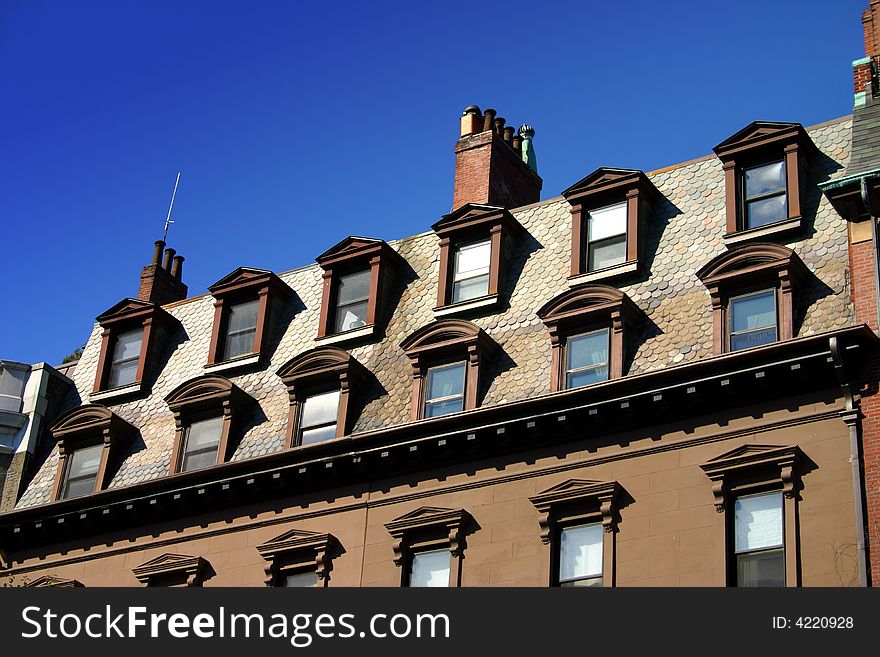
x: 173, y: 570
x: 297, y: 551
x: 429, y: 528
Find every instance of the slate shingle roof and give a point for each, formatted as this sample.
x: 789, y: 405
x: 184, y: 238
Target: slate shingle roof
x: 685, y: 231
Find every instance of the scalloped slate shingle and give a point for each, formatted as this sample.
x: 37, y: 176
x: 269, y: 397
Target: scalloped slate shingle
x: 685, y: 232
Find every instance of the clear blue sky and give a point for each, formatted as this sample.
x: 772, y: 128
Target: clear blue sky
x: 298, y: 123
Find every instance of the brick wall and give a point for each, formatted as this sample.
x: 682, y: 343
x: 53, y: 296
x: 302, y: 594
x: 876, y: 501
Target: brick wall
x: 159, y: 286
x: 488, y: 171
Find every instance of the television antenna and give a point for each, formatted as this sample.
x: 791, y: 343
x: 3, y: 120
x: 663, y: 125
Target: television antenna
x: 168, y: 219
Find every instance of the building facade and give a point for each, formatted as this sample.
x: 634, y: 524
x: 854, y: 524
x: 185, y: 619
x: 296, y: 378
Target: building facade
x: 662, y: 378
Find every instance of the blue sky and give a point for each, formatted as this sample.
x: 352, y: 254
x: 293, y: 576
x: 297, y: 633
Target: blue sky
x: 296, y: 124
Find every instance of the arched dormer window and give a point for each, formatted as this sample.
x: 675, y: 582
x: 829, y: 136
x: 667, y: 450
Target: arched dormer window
x: 88, y: 439
x: 207, y: 411
x: 446, y: 359
x: 587, y: 326
x: 752, y: 287
x: 319, y: 383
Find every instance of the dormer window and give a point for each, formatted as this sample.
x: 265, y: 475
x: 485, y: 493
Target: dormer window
x: 752, y: 288
x: 320, y: 383
x: 88, y: 439
x: 606, y: 237
x: 475, y: 246
x: 762, y: 170
x: 207, y: 413
x: 126, y: 354
x: 359, y: 275
x: 446, y: 359
x: 241, y: 329
x: 587, y: 327
x: 470, y: 278
x: 609, y: 212
x: 134, y: 332
x: 352, y: 301
x: 244, y: 303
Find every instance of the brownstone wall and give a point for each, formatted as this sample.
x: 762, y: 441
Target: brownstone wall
x: 667, y: 534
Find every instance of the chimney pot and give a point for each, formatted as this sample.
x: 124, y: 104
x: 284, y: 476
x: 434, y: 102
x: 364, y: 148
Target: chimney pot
x: 157, y: 252
x: 471, y: 120
x: 166, y: 263
x: 488, y: 119
x: 517, y: 144
x: 177, y: 267
x: 499, y: 126
x: 508, y: 135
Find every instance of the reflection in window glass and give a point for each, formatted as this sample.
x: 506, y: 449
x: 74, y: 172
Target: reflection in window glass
x: 430, y: 569
x: 606, y: 237
x: 580, y: 556
x: 586, y: 359
x: 82, y: 471
x: 241, y: 329
x: 318, y: 418
x: 352, y: 301
x: 202, y: 442
x: 444, y: 390
x: 765, y: 199
x: 752, y: 320
x: 758, y: 540
x: 307, y: 579
x: 470, y: 278
x: 126, y: 353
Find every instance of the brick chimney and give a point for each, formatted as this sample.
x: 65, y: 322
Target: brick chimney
x: 865, y: 69
x: 492, y: 165
x: 162, y: 281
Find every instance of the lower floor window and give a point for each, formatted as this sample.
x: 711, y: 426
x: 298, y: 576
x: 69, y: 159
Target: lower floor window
x: 580, y: 555
x: 758, y: 542
x: 319, y: 417
x: 202, y: 442
x: 306, y: 579
x: 430, y: 569
x: 82, y: 471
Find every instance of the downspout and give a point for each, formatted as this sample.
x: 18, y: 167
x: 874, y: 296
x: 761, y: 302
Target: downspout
x: 876, y: 250
x: 852, y: 416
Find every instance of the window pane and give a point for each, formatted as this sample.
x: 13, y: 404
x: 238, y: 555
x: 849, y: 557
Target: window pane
x: 239, y: 344
x: 320, y: 409
x: 767, y: 211
x: 85, y: 462
x: 580, y: 552
x: 241, y: 329
x: 607, y: 222
x: 765, y: 179
x: 472, y: 259
x: 588, y: 349
x: 752, y: 339
x: 353, y: 287
x: 319, y: 435
x: 198, y: 460
x: 435, y: 409
x: 351, y: 317
x: 607, y: 254
x: 472, y: 288
x: 758, y: 520
x: 761, y: 568
x: 430, y: 569
x: 445, y: 381
x: 301, y: 580
x: 204, y: 433
x: 121, y: 374
x: 589, y: 581
x: 753, y: 312
x: 586, y: 377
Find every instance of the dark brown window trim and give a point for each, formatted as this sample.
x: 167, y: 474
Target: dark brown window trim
x: 209, y: 395
x: 298, y: 551
x: 173, y: 570
x: 747, y: 268
x: 587, y: 308
x: 85, y: 426
x: 604, y: 187
x: 762, y: 142
x: 472, y: 222
x: 348, y: 256
x: 576, y: 502
x: 446, y: 341
x: 129, y: 315
x: 317, y: 370
x: 756, y: 469
x: 429, y: 528
x: 245, y: 284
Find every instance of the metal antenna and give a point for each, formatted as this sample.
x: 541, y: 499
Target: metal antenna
x: 168, y: 220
